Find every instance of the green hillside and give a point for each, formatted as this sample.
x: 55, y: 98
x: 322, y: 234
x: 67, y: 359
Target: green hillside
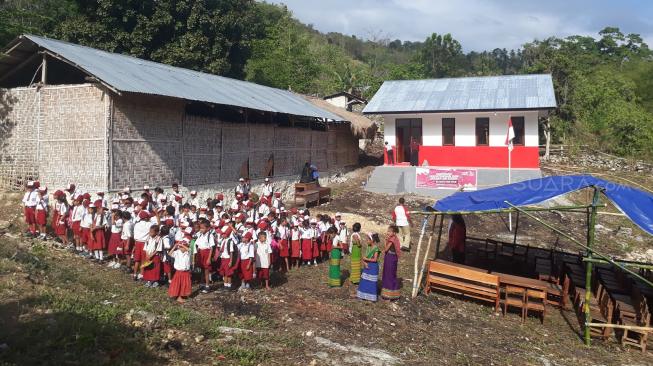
x: 604, y: 84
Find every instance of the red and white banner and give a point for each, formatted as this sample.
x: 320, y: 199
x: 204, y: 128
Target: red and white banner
x: 435, y: 178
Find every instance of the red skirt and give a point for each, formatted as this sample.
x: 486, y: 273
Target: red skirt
x: 284, y: 251
x: 225, y: 269
x: 99, y: 240
x: 316, y: 249
x: 153, y: 271
x: 55, y: 219
x: 295, y: 248
x: 203, y: 255
x: 329, y: 245
x: 167, y: 268
x: 115, y: 244
x: 322, y: 242
x: 85, y: 235
x: 126, y: 246
x: 307, y: 249
x: 263, y: 273
x: 77, y: 229
x: 30, y: 215
x: 181, y: 284
x: 41, y: 217
x: 138, y: 251
x: 61, y: 228
x: 246, y: 274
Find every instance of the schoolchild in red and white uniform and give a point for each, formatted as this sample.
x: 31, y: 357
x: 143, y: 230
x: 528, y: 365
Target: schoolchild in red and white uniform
x: 247, y: 255
x: 229, y: 256
x: 276, y: 202
x: 151, y: 259
x: 61, y: 212
x: 316, y: 237
x: 141, y: 234
x: 76, y: 216
x: 204, y: 244
x: 41, y: 211
x: 98, y: 231
x: 181, y: 285
x: 85, y: 227
x: 167, y: 239
x: 263, y: 255
x: 126, y: 238
x: 307, y: 234
x: 115, y: 238
x: 30, y: 199
x: 283, y: 237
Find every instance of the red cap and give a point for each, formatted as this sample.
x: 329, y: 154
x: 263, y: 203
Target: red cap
x: 262, y: 225
x: 87, y: 196
x: 57, y: 193
x: 277, y: 194
x: 97, y: 203
x: 247, y: 236
x: 143, y: 215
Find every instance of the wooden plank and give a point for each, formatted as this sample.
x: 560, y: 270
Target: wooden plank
x: 465, y: 273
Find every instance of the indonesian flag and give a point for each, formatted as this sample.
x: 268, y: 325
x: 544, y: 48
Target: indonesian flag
x: 511, y: 134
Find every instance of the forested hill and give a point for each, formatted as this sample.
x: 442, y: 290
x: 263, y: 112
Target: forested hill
x: 604, y: 84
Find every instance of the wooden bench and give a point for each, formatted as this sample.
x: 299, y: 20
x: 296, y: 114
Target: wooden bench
x: 325, y: 193
x: 299, y: 187
x: 463, y: 281
x: 307, y: 196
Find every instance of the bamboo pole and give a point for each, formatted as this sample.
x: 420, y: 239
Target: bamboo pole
x: 514, y: 238
x: 505, y: 210
x: 620, y: 326
x: 588, y: 272
x: 573, y: 240
x: 437, y: 245
x: 624, y: 263
x: 419, y: 247
x: 426, y: 256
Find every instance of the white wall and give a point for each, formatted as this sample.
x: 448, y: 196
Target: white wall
x: 340, y: 101
x: 466, y: 127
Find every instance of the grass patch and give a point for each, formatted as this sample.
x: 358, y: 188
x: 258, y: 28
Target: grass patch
x: 243, y: 355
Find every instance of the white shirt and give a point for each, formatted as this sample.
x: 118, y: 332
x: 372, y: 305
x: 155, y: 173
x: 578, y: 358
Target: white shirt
x: 267, y: 190
x: 30, y: 199
x: 42, y: 203
x: 182, y: 260
x: 78, y: 213
x: 401, y: 219
x: 227, y: 247
x: 116, y: 226
x: 62, y: 208
x: 263, y: 251
x: 100, y: 221
x: 282, y: 232
x: 87, y: 220
x: 307, y: 233
x: 263, y: 210
x: 153, y: 245
x: 205, y: 241
x: 246, y: 251
x: 142, y: 230
x: 294, y: 234
x: 337, y: 242
x: 127, y: 230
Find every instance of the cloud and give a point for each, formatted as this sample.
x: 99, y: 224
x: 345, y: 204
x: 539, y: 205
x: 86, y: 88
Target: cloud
x: 477, y: 24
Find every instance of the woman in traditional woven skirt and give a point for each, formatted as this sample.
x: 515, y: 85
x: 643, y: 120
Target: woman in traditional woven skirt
x: 390, y: 290
x: 334, y: 258
x: 356, y: 249
x: 368, y: 288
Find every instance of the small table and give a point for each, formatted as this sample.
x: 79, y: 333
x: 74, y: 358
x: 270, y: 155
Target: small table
x: 524, y: 282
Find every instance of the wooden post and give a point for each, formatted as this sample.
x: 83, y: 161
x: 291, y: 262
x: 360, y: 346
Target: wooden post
x: 547, y: 137
x: 437, y: 245
x: 44, y: 70
x: 419, y: 247
x: 588, y: 272
x: 514, y: 238
x: 426, y: 256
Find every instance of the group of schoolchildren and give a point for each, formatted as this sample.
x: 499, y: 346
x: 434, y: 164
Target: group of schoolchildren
x: 161, y: 238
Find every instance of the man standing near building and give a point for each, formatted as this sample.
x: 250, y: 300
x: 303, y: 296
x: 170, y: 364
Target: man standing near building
x: 401, y: 217
x: 414, y: 151
x: 389, y: 151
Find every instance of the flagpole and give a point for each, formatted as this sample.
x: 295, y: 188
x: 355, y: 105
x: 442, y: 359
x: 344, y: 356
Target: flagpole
x: 509, y: 167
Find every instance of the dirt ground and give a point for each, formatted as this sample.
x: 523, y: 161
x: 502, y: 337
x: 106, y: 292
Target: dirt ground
x: 59, y: 309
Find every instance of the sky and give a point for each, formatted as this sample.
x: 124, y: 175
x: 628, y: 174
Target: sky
x: 477, y: 24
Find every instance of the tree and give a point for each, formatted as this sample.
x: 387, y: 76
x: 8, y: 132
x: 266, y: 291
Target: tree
x: 441, y: 56
x: 206, y: 35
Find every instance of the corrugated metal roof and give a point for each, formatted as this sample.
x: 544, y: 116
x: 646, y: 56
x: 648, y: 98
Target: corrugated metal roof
x: 130, y: 74
x: 509, y: 92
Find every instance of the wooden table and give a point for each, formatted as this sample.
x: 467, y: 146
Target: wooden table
x: 525, y: 282
x: 461, y: 266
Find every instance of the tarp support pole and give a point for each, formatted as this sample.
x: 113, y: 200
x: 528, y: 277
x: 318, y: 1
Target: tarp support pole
x: 514, y: 238
x: 437, y: 245
x: 419, y: 247
x: 588, y: 272
x: 426, y: 257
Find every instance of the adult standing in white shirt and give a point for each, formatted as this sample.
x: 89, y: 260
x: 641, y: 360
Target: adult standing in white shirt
x: 401, y: 218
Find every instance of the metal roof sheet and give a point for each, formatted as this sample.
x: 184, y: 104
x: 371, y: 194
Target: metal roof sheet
x: 508, y: 92
x: 130, y: 74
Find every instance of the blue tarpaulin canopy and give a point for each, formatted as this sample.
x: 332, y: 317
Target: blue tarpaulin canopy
x: 634, y: 203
